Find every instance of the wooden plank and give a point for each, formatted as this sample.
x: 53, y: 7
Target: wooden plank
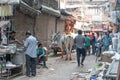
x: 112, y: 70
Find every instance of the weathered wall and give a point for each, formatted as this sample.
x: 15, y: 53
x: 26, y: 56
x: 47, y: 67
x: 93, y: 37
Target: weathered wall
x: 44, y: 26
x: 22, y: 23
x: 61, y: 25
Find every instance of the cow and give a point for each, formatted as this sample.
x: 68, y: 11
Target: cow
x: 63, y: 43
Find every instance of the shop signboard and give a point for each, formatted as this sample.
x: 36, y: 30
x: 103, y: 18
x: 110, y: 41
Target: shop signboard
x: 96, y: 18
x: 105, y: 27
x: 96, y: 28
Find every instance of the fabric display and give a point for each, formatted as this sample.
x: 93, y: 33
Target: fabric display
x: 6, y: 10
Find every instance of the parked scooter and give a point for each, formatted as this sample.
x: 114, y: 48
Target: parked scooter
x: 98, y: 47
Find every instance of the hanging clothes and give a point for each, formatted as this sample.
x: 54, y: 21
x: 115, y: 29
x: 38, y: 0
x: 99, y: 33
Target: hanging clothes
x: 6, y: 10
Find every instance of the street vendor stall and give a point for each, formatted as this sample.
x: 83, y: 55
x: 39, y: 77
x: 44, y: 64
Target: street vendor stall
x: 14, y: 67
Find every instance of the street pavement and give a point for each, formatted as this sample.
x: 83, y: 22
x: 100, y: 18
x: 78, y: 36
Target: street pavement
x: 60, y: 69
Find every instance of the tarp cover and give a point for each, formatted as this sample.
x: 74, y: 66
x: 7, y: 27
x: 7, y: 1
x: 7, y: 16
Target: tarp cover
x: 3, y: 23
x: 9, y: 1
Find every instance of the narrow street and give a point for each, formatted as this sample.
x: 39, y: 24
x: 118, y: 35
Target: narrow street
x: 31, y: 28
x: 59, y: 69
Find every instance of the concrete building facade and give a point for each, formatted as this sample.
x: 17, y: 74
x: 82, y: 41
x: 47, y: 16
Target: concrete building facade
x: 42, y: 24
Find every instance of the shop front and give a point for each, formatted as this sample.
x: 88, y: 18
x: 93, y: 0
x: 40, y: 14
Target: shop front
x: 14, y: 67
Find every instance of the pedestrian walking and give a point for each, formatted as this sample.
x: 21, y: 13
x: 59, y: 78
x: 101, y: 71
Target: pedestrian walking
x: 80, y: 47
x: 93, y: 43
x: 30, y: 44
x: 87, y: 44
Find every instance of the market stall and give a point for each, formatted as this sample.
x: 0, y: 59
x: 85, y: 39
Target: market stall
x: 14, y: 67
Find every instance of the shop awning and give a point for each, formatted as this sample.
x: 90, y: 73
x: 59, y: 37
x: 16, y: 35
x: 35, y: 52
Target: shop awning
x: 65, y: 13
x: 26, y: 9
x: 51, y: 11
x: 29, y: 7
x: 3, y: 23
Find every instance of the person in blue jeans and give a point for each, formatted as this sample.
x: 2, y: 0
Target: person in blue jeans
x: 41, y: 55
x: 80, y: 47
x: 30, y: 44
